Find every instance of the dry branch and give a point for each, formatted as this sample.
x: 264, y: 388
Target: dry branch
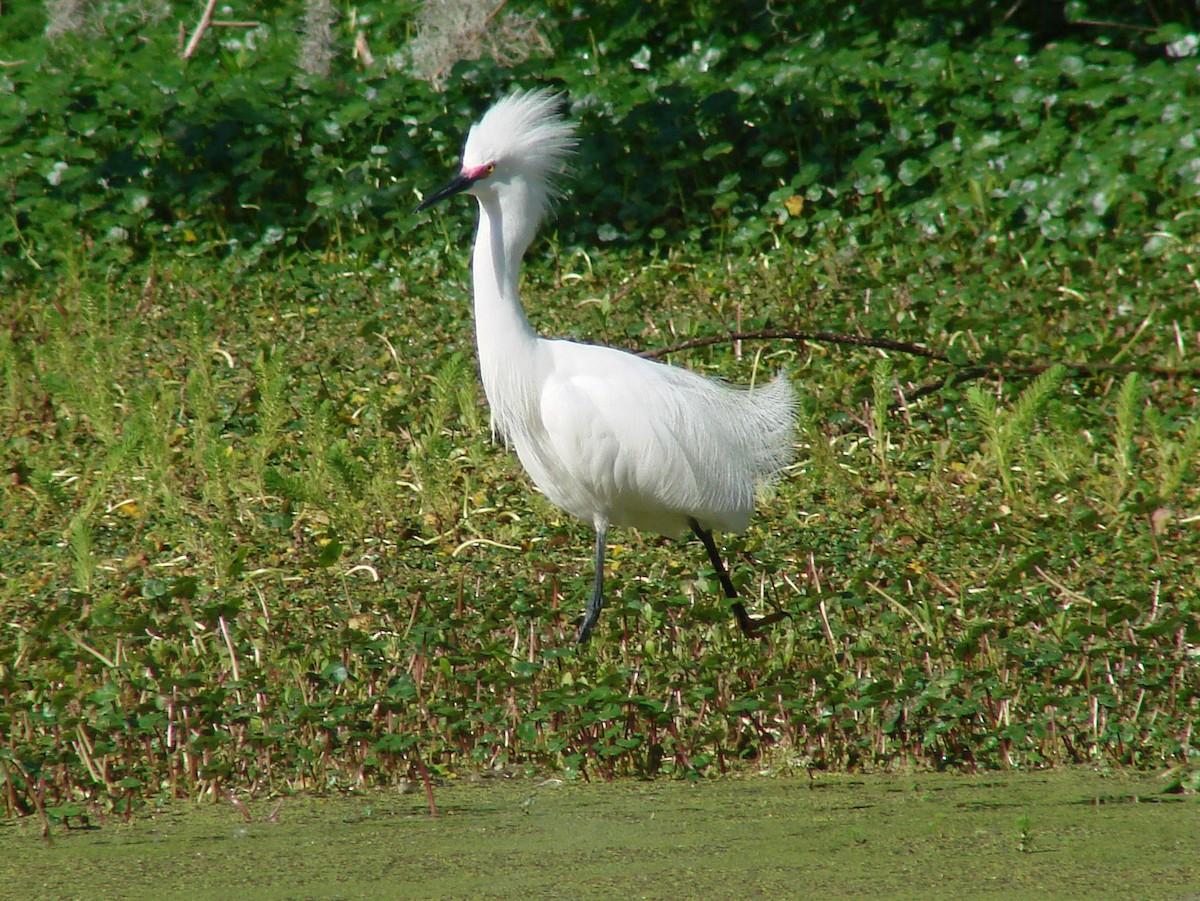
x: 963, y: 372
x: 828, y: 337
x: 201, y: 27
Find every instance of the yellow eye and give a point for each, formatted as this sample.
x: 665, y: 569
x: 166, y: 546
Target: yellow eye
x: 491, y: 167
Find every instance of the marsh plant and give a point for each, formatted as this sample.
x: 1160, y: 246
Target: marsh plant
x: 256, y: 534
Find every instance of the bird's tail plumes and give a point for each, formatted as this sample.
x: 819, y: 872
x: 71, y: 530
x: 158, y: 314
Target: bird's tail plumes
x: 769, y: 429
x: 732, y: 438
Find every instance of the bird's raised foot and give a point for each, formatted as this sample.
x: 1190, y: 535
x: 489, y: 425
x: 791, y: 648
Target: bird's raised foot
x: 750, y: 626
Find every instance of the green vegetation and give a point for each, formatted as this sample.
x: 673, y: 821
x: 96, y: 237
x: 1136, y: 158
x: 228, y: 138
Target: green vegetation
x: 1063, y: 834
x: 255, y: 536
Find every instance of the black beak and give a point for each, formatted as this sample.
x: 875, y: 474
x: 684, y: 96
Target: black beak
x: 457, y: 184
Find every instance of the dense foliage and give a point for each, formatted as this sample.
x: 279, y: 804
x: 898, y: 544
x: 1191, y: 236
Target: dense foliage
x: 698, y: 121
x: 254, y: 535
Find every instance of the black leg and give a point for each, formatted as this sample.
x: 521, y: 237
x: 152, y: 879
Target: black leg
x: 596, y: 601
x: 749, y: 626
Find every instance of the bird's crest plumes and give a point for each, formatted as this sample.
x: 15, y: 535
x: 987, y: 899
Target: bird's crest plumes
x: 525, y: 130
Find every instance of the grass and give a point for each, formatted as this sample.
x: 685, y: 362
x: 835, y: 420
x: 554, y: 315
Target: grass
x: 256, y: 536
x: 1061, y: 834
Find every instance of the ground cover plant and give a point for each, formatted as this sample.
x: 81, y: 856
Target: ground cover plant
x: 255, y: 534
x: 1062, y: 833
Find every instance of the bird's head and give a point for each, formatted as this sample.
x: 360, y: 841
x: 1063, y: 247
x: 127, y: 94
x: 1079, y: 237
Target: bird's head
x: 523, y: 140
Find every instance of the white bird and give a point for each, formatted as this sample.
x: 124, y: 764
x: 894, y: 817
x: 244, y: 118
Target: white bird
x: 612, y: 438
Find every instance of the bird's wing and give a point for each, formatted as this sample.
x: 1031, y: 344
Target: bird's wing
x: 616, y: 438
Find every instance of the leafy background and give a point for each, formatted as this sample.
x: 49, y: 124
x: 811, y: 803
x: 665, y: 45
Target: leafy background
x: 255, y: 536
x: 698, y: 123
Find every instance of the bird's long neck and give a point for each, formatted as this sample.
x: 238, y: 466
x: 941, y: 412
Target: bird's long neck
x: 506, y: 341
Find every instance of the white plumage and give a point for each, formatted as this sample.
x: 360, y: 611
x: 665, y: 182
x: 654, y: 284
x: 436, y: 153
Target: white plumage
x: 610, y: 437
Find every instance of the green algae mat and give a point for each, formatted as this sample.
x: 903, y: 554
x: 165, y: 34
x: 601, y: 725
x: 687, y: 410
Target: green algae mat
x: 1060, y: 834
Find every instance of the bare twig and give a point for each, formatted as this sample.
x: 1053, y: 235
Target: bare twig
x: 36, y: 791
x: 1068, y: 593
x: 238, y: 803
x: 233, y: 661
x: 964, y: 372
x: 362, y: 51
x: 39, y: 801
x: 790, y: 335
x: 1106, y: 23
x: 933, y: 386
x: 970, y: 373
x: 425, y: 778
x: 201, y: 27
x: 833, y: 648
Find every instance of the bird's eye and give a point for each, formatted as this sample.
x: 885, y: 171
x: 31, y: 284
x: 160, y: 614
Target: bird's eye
x: 490, y: 168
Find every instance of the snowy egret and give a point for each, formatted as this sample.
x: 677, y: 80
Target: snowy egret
x: 610, y: 437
